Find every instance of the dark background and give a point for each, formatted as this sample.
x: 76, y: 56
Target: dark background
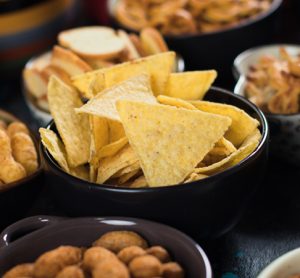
x: 270, y: 226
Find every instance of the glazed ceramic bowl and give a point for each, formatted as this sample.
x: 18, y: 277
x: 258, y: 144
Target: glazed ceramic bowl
x: 31, y: 29
x: 204, y: 208
x: 284, y: 129
x: 17, y: 197
x: 283, y: 267
x: 216, y: 50
x: 25, y: 240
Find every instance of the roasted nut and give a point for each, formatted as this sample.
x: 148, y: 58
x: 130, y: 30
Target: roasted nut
x: 160, y: 253
x: 145, y: 267
x: 110, y: 268
x: 72, y: 271
x: 21, y: 270
x: 51, y: 263
x: 172, y: 270
x: 95, y: 255
x: 117, y: 240
x: 127, y: 254
x: 16, y: 127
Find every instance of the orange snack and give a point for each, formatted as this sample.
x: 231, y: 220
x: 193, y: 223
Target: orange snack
x: 16, y: 127
x: 22, y: 270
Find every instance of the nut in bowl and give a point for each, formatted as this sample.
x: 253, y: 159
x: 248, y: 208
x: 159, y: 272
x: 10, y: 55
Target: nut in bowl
x: 145, y: 131
x: 268, y: 77
x: 74, y: 56
x: 20, y: 169
x: 99, y: 247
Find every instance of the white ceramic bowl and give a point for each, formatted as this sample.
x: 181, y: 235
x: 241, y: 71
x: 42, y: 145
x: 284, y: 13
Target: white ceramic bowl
x: 284, y: 129
x: 283, y: 267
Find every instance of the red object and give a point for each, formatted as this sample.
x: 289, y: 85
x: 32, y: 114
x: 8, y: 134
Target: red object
x: 98, y: 11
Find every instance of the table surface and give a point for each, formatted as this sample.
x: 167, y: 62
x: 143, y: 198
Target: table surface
x: 271, y: 224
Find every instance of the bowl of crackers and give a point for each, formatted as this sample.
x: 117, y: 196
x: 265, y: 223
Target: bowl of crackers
x: 99, y: 247
x: 20, y: 168
x: 73, y: 56
x: 203, y: 31
x: 154, y: 144
x: 269, y: 76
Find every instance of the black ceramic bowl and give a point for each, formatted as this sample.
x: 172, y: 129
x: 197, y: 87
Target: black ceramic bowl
x: 204, y: 208
x: 25, y: 240
x: 17, y: 197
x: 216, y: 50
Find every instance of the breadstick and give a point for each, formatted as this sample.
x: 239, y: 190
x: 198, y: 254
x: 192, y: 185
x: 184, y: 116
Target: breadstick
x: 10, y: 170
x: 24, y: 152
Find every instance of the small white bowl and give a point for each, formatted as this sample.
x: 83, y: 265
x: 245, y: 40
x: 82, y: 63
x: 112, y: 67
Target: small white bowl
x: 284, y: 128
x: 283, y: 267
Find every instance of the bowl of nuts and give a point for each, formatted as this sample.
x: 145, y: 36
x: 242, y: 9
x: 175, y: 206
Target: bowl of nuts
x: 203, y: 31
x: 20, y: 168
x: 269, y: 76
x: 99, y: 247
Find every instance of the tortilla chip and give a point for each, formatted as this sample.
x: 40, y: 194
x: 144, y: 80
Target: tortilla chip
x: 177, y: 102
x: 73, y: 128
x: 139, y: 182
x: 126, y: 177
x: 195, y: 177
x: 55, y: 147
x: 128, y: 169
x: 82, y: 82
x: 112, y: 148
x: 96, y: 86
x: 112, y: 164
x: 230, y: 160
x: 158, y: 67
x: 81, y: 172
x: 169, y: 141
x: 190, y: 85
x: 242, y: 124
x: 116, y: 131
x: 104, y: 104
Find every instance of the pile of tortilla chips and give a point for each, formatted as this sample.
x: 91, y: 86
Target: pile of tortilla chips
x: 144, y: 126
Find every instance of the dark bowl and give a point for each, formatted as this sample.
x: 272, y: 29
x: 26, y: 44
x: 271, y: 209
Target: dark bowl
x: 205, y: 208
x: 16, y: 198
x: 216, y: 50
x: 25, y: 240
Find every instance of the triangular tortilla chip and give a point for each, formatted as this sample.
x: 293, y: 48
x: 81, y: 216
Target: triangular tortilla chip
x: 177, y: 102
x: 169, y: 141
x: 112, y: 148
x: 190, y: 85
x: 112, y: 164
x: 158, y: 66
x: 242, y: 124
x: 104, y: 104
x: 73, y: 128
x: 116, y: 131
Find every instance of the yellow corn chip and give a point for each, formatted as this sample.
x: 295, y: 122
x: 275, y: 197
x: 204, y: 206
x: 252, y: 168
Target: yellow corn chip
x: 255, y: 136
x: 224, y: 143
x: 177, y: 102
x: 112, y: 148
x: 190, y: 85
x: 128, y: 169
x: 242, y: 124
x: 55, y: 147
x: 93, y: 173
x: 82, y: 82
x: 126, y: 177
x: 139, y: 183
x: 96, y: 86
x: 104, y: 104
x: 169, y: 141
x: 158, y: 67
x: 195, y: 177
x: 116, y: 131
x: 230, y: 160
x: 112, y: 164
x: 73, y: 128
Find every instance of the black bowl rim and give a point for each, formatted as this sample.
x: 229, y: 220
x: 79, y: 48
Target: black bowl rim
x: 59, y: 221
x: 265, y: 132
x: 236, y: 72
x: 244, y: 23
x: 9, y: 186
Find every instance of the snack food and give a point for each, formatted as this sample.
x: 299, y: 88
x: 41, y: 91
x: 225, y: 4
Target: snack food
x: 139, y: 140
x: 182, y: 17
x: 273, y: 84
x: 123, y: 254
x: 18, y: 156
x: 84, y: 49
